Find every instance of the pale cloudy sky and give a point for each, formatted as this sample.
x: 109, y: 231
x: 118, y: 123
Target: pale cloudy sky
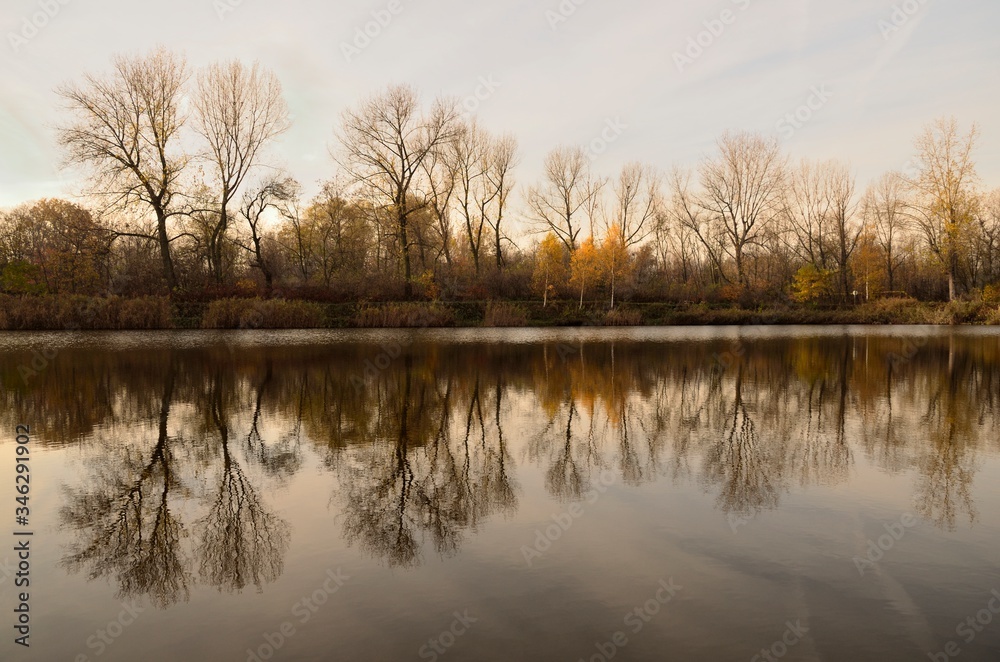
x: 558, y: 82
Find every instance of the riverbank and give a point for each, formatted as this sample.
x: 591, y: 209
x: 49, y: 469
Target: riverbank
x: 49, y: 313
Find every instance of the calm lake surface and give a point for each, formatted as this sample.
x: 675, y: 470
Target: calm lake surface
x: 671, y: 494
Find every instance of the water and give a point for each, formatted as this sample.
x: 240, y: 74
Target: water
x: 675, y: 494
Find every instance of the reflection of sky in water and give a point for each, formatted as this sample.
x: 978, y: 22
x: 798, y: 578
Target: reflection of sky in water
x: 221, y: 486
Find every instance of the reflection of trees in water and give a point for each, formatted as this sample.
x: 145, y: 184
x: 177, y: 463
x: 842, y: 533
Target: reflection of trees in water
x: 814, y: 420
x: 431, y: 473
x: 125, y: 516
x: 424, y: 450
x: 127, y: 530
x: 747, y: 469
x: 946, y: 464
x: 568, y: 475
x: 283, y: 457
x: 242, y: 542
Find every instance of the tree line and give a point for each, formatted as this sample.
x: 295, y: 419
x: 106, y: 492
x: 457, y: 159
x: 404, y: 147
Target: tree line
x: 184, y: 195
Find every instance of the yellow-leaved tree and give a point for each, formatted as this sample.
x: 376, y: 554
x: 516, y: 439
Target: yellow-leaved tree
x: 585, y: 266
x: 613, y: 258
x: 550, y: 266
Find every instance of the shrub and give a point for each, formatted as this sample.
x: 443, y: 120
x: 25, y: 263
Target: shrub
x: 896, y: 311
x: 619, y: 317
x: 503, y: 314
x: 963, y: 312
x: 812, y: 284
x: 262, y: 314
x: 404, y: 316
x: 62, y: 312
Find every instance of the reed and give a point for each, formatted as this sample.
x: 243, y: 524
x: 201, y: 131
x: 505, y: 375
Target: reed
x: 75, y: 312
x: 619, y: 317
x: 262, y: 314
x: 504, y: 314
x: 404, y: 316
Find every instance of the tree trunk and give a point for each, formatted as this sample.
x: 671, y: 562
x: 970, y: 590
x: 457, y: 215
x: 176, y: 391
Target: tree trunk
x: 164, y: 242
x: 218, y: 236
x: 499, y: 250
x: 405, y: 248
x: 952, y: 269
x: 612, y: 289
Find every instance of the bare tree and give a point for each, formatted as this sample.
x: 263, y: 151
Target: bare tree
x: 673, y: 243
x: 501, y: 159
x: 808, y: 214
x: 338, y: 233
x: 988, y: 238
x: 846, y: 230
x: 884, y: 210
x: 441, y: 179
x: 293, y: 236
x: 741, y: 192
x: 269, y: 194
x: 692, y: 221
x: 239, y: 109
x: 944, y: 190
x: 124, y: 129
x: 638, y: 203
x: 468, y: 153
x: 482, y: 165
x: 566, y: 196
x: 386, y: 141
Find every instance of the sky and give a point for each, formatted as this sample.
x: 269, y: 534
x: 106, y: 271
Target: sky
x: 634, y: 80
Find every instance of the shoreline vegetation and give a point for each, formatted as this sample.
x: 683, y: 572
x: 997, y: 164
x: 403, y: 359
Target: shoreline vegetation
x: 74, y: 313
